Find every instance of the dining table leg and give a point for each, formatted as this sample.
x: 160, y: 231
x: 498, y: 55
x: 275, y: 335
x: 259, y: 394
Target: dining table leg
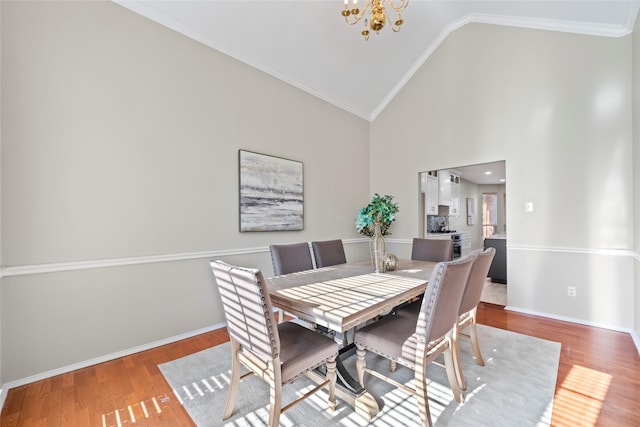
x: 348, y: 388
x: 363, y: 403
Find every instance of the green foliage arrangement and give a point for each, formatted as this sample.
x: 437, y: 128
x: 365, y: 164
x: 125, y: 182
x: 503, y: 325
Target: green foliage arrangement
x: 380, y: 209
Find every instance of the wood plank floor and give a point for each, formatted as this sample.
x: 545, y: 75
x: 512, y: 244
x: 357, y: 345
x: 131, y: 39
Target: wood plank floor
x: 598, y: 381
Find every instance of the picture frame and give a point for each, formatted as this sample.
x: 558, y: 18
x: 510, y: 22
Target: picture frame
x: 471, y: 211
x: 271, y: 193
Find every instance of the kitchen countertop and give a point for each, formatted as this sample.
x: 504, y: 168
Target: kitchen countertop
x: 497, y: 236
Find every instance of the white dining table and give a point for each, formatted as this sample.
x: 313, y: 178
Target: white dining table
x: 340, y: 298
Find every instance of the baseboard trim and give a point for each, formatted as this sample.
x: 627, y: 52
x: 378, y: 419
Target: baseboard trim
x: 3, y: 395
x: 102, y: 359
x: 568, y: 319
x: 636, y: 340
x: 7, y: 386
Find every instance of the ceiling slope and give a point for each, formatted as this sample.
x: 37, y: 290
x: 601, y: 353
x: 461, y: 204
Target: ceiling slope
x: 308, y: 45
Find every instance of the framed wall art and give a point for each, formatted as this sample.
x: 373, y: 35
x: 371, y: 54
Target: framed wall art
x: 271, y: 193
x: 471, y: 211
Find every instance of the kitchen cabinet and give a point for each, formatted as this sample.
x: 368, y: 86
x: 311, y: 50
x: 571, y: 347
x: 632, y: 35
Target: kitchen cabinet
x: 465, y: 243
x: 449, y: 191
x: 438, y: 236
x: 431, y: 195
x: 444, y: 188
x: 454, y: 209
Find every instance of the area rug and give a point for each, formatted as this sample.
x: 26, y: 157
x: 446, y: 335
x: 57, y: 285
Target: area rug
x: 514, y: 388
x: 494, y: 293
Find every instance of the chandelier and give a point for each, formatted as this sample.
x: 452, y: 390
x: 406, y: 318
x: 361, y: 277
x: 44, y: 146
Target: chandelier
x: 374, y: 14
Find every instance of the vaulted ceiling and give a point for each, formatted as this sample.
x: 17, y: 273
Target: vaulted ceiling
x: 308, y: 44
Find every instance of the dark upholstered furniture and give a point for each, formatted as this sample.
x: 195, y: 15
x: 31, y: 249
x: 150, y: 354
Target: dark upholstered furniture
x: 328, y: 252
x: 434, y: 250
x: 498, y: 270
x: 290, y: 258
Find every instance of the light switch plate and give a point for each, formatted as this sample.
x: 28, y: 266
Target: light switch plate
x: 528, y: 207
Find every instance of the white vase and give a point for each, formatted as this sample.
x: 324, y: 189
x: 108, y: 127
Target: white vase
x: 377, y: 247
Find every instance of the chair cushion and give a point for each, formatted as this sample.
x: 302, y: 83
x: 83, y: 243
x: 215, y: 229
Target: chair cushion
x: 302, y: 349
x: 386, y: 336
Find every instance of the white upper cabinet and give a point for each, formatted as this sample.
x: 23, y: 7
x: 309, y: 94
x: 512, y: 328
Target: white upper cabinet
x: 454, y: 209
x: 431, y: 195
x: 449, y: 191
x: 444, y: 190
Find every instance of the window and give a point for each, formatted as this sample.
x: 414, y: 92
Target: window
x: 489, y: 214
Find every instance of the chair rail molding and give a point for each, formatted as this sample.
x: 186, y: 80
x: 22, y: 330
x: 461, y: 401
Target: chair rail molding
x: 23, y: 270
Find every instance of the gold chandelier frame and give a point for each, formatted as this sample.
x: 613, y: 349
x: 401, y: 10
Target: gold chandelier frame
x: 374, y: 14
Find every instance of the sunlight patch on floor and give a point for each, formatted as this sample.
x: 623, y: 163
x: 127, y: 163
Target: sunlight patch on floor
x: 138, y: 411
x: 579, y: 399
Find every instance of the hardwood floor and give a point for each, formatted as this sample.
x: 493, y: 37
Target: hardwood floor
x: 598, y: 381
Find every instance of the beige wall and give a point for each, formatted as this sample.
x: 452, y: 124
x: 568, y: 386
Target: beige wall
x: 119, y: 171
x: 120, y: 147
x: 1, y: 263
x: 636, y: 170
x: 556, y: 107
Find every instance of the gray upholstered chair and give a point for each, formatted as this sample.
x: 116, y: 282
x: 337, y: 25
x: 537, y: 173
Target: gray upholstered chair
x: 467, y: 312
x: 416, y: 342
x: 328, y: 252
x: 278, y: 353
x: 468, y: 307
x: 434, y: 250
x: 290, y: 258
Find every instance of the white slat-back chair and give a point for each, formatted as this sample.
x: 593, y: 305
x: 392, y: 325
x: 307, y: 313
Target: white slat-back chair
x: 277, y: 353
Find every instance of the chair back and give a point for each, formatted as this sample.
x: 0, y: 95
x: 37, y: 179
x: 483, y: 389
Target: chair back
x: 477, y: 278
x: 328, y: 252
x: 290, y: 258
x: 442, y: 298
x: 247, y: 309
x: 434, y: 250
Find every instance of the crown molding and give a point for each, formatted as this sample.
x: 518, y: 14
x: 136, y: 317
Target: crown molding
x: 529, y: 23
x: 604, y: 30
x: 145, y: 9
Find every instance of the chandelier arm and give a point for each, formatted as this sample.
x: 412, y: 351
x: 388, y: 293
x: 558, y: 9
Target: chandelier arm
x: 357, y: 18
x: 399, y: 8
